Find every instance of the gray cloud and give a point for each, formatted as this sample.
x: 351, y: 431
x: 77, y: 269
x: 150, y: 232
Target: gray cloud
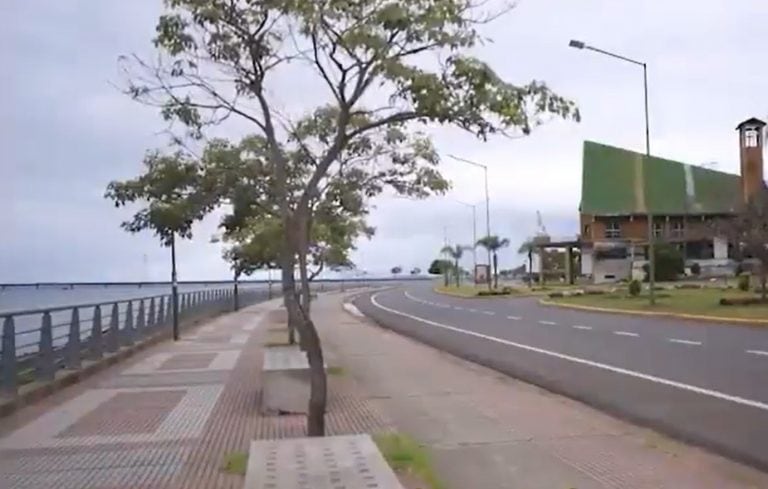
x: 66, y: 131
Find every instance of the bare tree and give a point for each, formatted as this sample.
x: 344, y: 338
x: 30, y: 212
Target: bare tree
x: 748, y: 231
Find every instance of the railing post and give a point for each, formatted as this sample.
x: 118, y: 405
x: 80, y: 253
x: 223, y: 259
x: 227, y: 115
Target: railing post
x: 72, y: 350
x: 140, y: 320
x: 45, y: 368
x: 113, y: 334
x: 96, y: 348
x: 151, y: 319
x: 8, y: 358
x: 161, y: 319
x: 128, y: 325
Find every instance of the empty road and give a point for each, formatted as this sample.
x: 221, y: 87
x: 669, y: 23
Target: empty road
x: 702, y: 382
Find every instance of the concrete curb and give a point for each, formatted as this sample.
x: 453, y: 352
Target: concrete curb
x: 692, y: 317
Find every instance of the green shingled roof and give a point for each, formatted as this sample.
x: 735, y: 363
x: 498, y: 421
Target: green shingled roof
x: 614, y: 182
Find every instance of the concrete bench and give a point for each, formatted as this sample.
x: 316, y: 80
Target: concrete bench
x: 332, y: 462
x: 284, y: 381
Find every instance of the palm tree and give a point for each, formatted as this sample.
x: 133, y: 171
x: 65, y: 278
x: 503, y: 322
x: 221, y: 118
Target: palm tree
x: 456, y: 253
x: 493, y: 244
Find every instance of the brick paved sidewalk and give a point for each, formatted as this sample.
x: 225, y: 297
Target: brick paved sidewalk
x: 166, y: 418
x: 488, y: 431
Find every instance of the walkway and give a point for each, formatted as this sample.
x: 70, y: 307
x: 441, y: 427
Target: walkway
x: 165, y: 419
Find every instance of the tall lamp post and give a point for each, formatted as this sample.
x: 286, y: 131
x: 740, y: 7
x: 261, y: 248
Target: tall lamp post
x: 651, y: 238
x: 487, y: 207
x: 474, y: 236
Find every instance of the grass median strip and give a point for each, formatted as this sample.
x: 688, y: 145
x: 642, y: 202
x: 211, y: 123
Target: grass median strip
x: 408, y: 458
x: 701, y: 303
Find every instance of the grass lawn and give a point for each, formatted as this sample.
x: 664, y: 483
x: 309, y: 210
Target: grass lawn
x: 702, y: 302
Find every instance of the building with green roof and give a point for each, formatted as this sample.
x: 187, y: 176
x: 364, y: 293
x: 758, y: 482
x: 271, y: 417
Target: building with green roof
x: 620, y: 188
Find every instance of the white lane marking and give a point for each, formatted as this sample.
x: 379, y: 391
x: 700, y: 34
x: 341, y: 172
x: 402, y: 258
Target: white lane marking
x: 458, y: 308
x: 514, y: 318
x: 490, y: 313
x: 626, y: 333
x: 758, y: 352
x: 583, y: 361
x: 472, y: 310
x: 410, y: 296
x: 684, y: 342
x: 578, y: 326
x: 548, y: 323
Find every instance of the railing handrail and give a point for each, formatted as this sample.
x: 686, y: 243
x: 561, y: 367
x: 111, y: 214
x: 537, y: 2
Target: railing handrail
x: 43, y: 310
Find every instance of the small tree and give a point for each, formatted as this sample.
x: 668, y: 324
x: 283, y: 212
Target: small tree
x: 168, y: 188
x: 455, y: 252
x: 748, y: 230
x: 669, y: 262
x: 221, y: 60
x: 493, y: 244
x: 396, y: 270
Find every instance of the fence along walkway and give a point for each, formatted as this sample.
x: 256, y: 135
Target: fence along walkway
x: 37, y: 344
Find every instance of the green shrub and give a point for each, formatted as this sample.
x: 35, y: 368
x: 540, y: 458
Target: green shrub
x: 554, y: 295
x: 743, y: 283
x: 635, y: 288
x: 507, y: 290
x: 594, y: 292
x: 741, y: 301
x: 494, y: 292
x: 696, y: 269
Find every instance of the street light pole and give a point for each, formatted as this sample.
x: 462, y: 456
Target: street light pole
x: 487, y: 207
x: 651, y: 238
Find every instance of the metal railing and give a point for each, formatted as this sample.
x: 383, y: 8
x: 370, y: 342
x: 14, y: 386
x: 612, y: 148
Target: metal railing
x: 37, y: 343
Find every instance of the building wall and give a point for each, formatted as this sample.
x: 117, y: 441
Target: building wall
x: 636, y: 227
x: 612, y: 270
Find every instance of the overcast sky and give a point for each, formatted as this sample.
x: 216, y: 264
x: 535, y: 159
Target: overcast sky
x: 66, y: 130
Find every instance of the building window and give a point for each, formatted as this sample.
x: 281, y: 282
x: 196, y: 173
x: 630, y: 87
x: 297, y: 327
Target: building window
x: 658, y: 229
x: 613, y: 229
x: 587, y: 231
x: 751, y: 138
x: 678, y: 229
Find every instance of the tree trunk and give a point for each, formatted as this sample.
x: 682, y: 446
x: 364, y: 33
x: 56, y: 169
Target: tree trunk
x: 763, y: 282
x: 306, y: 294
x: 297, y: 239
x: 288, y: 283
x: 458, y: 273
x: 495, y: 271
x: 318, y: 381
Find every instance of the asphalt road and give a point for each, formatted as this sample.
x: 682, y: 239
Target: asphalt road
x: 705, y: 383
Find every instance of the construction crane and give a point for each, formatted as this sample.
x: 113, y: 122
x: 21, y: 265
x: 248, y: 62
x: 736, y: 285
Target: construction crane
x: 542, y: 231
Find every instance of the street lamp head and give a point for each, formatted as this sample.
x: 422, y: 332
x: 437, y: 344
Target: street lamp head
x: 577, y: 44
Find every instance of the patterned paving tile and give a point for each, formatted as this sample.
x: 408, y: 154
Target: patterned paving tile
x: 184, y: 421
x: 124, y: 468
x: 188, y: 361
x: 126, y: 413
x: 222, y: 360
